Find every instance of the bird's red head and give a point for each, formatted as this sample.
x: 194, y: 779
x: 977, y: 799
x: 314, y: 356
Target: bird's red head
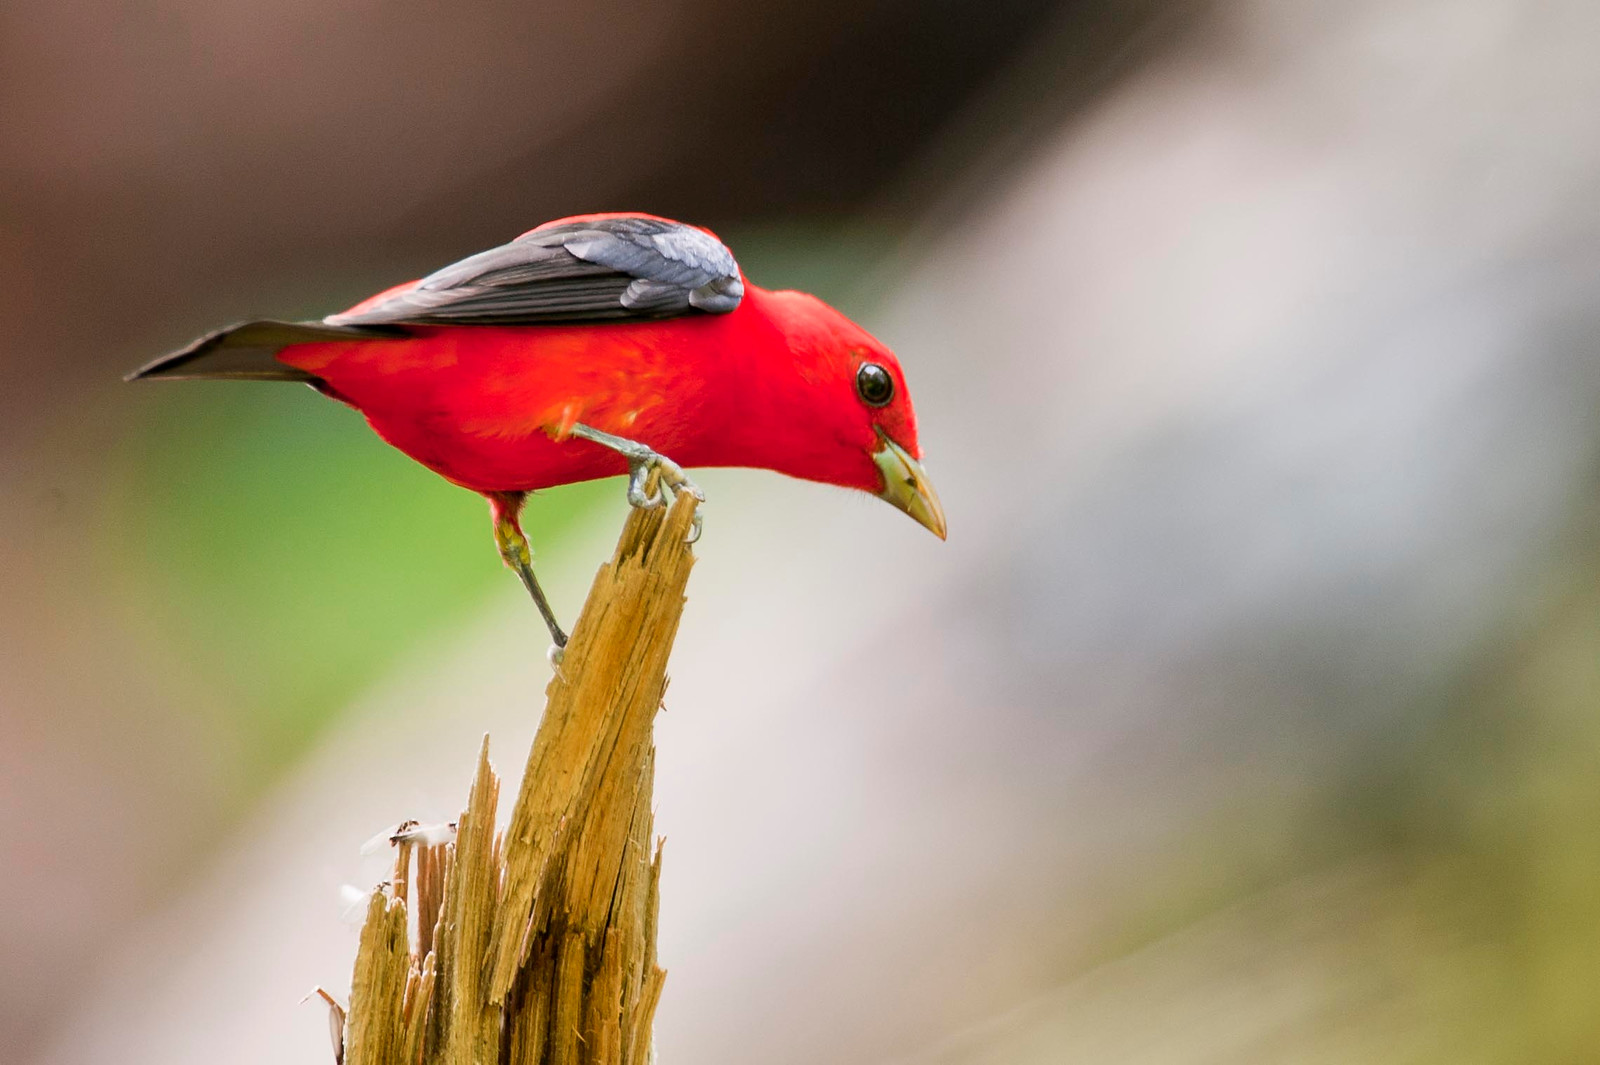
x: 850, y: 420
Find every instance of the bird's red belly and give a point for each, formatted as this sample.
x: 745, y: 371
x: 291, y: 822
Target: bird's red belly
x: 497, y: 464
x: 483, y: 406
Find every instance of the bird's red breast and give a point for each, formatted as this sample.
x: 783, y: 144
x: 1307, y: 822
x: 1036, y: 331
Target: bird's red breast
x: 488, y: 406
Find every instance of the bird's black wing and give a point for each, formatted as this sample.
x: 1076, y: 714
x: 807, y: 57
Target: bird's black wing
x: 608, y: 269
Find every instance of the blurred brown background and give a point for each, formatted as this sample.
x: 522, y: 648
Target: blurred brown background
x: 1251, y: 713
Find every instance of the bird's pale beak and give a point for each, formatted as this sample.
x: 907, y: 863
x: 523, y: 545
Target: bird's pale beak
x: 906, y: 485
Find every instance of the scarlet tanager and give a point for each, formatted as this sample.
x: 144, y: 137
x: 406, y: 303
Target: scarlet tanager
x: 590, y: 346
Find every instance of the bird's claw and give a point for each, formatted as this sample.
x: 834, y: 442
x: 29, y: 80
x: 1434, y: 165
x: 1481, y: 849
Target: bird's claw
x: 638, y: 476
x: 671, y: 480
x: 642, y: 462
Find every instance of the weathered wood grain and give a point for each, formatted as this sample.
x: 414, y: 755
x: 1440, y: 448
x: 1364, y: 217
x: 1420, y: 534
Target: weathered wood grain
x: 537, y: 946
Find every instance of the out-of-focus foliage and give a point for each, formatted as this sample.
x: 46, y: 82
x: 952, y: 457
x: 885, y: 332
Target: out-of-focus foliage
x: 1436, y: 907
x: 272, y: 543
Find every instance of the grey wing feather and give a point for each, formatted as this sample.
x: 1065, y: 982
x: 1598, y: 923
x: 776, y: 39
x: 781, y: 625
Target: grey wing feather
x: 604, y: 270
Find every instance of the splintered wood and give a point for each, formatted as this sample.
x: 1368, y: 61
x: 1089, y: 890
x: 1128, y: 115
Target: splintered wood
x: 538, y: 946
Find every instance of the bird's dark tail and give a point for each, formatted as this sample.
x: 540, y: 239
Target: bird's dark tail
x: 246, y: 352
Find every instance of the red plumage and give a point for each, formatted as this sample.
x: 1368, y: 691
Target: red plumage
x: 769, y: 385
x: 591, y: 346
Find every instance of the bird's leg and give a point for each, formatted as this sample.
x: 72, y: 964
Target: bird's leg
x: 642, y: 461
x: 505, y: 507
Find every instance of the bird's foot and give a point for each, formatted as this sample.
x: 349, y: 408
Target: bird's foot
x: 670, y: 480
x: 643, y: 461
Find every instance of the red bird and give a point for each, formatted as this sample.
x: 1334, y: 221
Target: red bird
x: 591, y: 346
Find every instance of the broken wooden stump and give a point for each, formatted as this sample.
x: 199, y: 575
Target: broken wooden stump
x: 537, y: 946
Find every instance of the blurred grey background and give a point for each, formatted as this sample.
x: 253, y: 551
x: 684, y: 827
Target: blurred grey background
x: 1251, y: 713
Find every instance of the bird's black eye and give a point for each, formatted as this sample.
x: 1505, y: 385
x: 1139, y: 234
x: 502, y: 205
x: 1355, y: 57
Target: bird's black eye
x: 874, y: 384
